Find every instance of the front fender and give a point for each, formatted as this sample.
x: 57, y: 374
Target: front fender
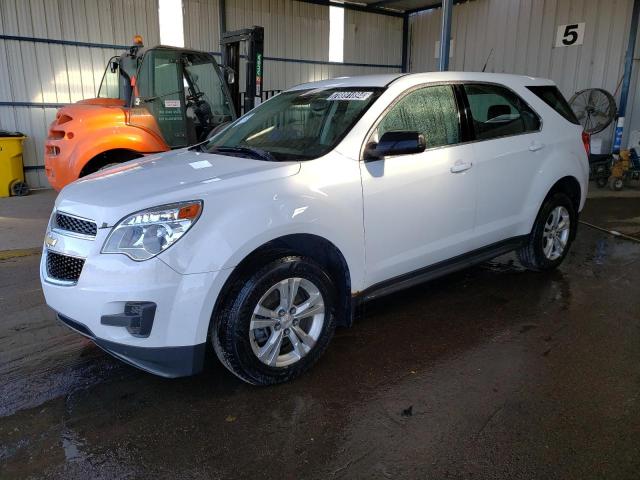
x: 106, y: 139
x: 323, y: 199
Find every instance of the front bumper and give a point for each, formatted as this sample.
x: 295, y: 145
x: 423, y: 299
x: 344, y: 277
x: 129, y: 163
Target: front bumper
x: 168, y: 362
x: 109, y: 283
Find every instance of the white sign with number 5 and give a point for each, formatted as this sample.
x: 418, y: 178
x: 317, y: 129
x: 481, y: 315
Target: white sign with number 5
x: 570, y: 35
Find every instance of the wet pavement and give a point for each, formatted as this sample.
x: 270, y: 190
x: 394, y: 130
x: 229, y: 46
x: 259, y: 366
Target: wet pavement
x: 493, y: 372
x: 621, y: 214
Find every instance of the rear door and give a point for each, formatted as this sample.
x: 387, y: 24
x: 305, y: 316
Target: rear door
x: 508, y: 152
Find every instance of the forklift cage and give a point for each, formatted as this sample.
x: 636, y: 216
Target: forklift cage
x: 230, y: 42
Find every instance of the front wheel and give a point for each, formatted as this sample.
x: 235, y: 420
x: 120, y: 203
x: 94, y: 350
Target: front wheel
x: 552, y: 234
x: 277, y: 322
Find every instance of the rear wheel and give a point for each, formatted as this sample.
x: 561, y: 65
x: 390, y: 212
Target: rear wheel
x: 277, y: 322
x: 552, y: 234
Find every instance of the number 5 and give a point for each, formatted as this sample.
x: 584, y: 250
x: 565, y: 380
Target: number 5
x: 570, y: 35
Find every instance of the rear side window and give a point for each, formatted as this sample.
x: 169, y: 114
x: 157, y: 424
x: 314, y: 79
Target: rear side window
x: 498, y: 112
x: 550, y: 95
x: 431, y: 111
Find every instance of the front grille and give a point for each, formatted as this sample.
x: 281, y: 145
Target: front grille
x: 75, y: 224
x: 63, y: 267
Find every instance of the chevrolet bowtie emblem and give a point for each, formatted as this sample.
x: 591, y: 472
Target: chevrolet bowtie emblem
x: 50, y: 240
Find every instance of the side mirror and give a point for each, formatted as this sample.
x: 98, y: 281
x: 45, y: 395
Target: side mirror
x: 395, y: 143
x: 114, y: 66
x: 230, y: 75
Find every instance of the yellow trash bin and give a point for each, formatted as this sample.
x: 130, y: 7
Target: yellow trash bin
x: 11, y: 167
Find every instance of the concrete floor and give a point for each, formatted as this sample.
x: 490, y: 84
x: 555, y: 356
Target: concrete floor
x: 493, y: 372
x: 23, y: 220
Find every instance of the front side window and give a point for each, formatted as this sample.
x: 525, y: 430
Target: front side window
x: 116, y: 81
x: 296, y: 125
x: 497, y: 112
x: 110, y: 84
x: 431, y: 111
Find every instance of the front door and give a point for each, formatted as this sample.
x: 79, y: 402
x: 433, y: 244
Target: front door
x: 160, y: 101
x: 419, y: 209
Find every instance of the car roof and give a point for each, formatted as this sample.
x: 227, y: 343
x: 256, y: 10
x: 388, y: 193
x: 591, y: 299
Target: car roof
x: 413, y: 78
x: 357, y: 81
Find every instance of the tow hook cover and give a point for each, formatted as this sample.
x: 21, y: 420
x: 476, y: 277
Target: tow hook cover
x: 137, y: 318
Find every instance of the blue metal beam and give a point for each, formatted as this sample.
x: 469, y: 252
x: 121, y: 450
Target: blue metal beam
x: 626, y: 79
x: 445, y: 35
x: 55, y: 41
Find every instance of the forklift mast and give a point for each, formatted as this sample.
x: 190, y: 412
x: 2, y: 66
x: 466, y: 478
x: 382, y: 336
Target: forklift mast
x: 230, y: 41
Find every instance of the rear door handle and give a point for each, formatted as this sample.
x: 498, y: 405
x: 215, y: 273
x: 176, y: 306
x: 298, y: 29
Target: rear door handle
x: 535, y: 146
x: 461, y: 166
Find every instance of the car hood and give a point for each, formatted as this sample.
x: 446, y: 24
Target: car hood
x: 109, y: 195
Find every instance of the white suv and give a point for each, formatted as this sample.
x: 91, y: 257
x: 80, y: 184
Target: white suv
x: 263, y: 239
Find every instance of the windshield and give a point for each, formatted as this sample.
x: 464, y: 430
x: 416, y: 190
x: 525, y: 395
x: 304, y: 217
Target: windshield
x: 296, y: 125
x: 183, y: 92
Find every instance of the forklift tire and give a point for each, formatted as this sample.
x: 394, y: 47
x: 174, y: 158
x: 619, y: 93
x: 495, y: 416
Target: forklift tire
x: 601, y: 182
x: 616, y: 184
x: 108, y: 165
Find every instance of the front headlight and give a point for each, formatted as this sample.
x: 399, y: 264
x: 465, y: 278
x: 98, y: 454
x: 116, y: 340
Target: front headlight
x: 145, y: 234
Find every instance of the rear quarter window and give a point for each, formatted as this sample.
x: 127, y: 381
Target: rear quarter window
x: 550, y: 95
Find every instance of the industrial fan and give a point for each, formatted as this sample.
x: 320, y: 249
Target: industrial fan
x: 595, y: 109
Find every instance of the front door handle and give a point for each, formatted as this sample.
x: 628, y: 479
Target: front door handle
x: 535, y: 146
x: 461, y: 166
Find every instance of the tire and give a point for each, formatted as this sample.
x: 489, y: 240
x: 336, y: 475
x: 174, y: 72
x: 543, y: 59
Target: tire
x: 616, y: 184
x: 534, y: 255
x: 19, y: 189
x: 601, y: 182
x: 108, y: 165
x: 243, y: 338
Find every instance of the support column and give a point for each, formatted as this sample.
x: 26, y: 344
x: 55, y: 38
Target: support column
x: 445, y: 34
x: 626, y: 79
x: 405, y: 43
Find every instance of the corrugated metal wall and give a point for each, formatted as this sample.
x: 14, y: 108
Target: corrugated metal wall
x: 522, y: 34
x: 299, y: 31
x: 375, y: 39
x: 40, y: 74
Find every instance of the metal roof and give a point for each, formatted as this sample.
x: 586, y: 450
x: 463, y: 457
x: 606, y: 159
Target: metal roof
x: 401, y: 5
x: 397, y: 8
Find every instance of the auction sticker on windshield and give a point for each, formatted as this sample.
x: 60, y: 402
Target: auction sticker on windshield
x: 349, y: 95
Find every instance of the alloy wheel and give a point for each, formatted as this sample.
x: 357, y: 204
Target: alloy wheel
x: 556, y: 233
x: 287, y: 322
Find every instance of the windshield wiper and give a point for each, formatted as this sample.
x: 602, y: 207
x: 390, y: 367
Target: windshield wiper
x: 252, y: 151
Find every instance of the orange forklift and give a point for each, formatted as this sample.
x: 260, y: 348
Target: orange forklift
x: 152, y: 100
